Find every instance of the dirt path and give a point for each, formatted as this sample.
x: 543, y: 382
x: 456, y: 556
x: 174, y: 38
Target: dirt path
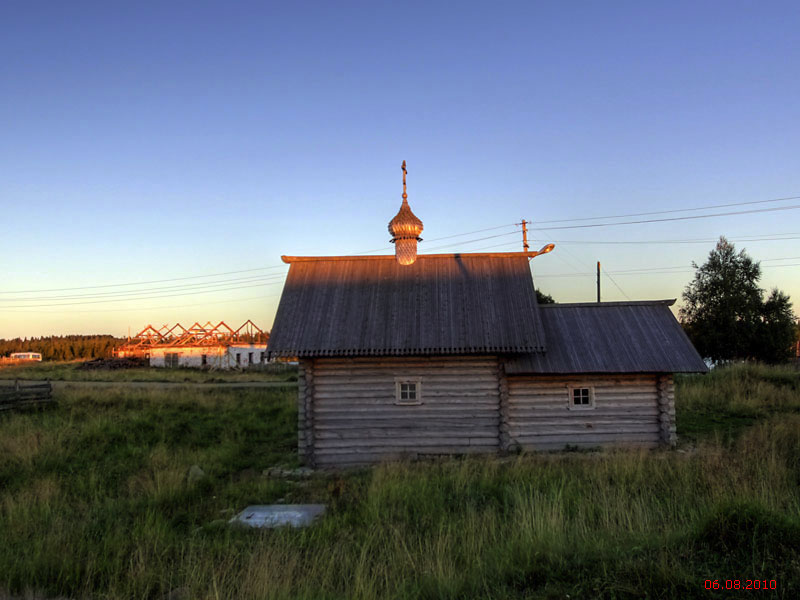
x: 155, y: 384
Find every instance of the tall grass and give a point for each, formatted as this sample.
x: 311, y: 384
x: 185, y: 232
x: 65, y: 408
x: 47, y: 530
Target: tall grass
x: 72, y: 371
x: 95, y: 503
x: 728, y: 399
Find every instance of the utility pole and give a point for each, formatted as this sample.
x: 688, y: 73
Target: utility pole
x: 598, y: 281
x: 525, y: 246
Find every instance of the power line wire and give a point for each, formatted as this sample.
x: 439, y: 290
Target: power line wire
x: 92, y: 287
x: 447, y: 237
x: 766, y: 238
x: 488, y: 237
x: 740, y: 212
x: 607, y: 274
x: 132, y: 294
x: 676, y: 210
x: 94, y: 310
x: 190, y: 293
x: 647, y: 271
x: 171, y: 280
x: 208, y: 276
x: 652, y: 271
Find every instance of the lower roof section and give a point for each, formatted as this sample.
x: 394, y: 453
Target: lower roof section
x: 610, y: 337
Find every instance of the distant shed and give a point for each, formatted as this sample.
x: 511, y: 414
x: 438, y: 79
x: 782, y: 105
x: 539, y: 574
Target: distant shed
x: 25, y: 356
x: 406, y: 356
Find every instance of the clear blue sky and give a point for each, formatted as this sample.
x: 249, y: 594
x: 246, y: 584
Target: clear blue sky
x: 153, y: 141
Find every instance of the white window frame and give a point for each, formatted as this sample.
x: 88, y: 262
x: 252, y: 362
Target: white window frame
x: 398, y: 381
x: 572, y: 406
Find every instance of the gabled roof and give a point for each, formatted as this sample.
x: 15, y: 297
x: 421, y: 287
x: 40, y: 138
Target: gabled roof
x: 611, y: 337
x: 441, y: 304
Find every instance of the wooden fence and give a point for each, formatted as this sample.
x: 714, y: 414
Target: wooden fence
x: 25, y: 396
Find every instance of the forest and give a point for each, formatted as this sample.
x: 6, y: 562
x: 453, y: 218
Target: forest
x: 63, y: 347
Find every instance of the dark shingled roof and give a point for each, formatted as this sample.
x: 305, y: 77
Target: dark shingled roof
x: 611, y: 337
x: 441, y: 304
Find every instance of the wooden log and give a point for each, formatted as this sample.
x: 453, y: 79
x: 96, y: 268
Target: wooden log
x: 557, y: 422
x: 427, y: 393
x: 452, y: 444
x: 563, y: 405
x: 445, y: 404
x: 601, y: 412
x: 607, y: 394
x: 390, y: 409
x: 560, y: 446
x: 404, y: 433
x: 432, y: 362
x: 438, y: 449
x: 578, y: 380
x: 473, y: 376
x: 568, y: 438
x: 348, y: 421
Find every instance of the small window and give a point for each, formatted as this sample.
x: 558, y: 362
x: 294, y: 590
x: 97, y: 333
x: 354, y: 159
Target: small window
x: 238, y: 358
x: 171, y: 359
x: 204, y: 360
x: 408, y: 391
x: 249, y: 358
x: 581, y: 397
x: 262, y: 357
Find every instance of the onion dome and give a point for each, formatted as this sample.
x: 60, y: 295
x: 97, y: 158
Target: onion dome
x: 405, y: 229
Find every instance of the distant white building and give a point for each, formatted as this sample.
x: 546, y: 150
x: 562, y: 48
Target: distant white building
x: 200, y: 346
x: 235, y: 356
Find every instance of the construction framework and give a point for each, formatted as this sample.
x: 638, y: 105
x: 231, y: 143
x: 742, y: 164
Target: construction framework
x: 196, y: 335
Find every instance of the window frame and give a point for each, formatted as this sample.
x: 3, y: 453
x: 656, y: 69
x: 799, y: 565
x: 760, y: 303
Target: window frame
x: 398, y: 382
x: 571, y: 397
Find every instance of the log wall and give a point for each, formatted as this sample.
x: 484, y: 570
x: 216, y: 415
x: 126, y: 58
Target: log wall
x: 628, y: 411
x: 355, y: 418
x: 348, y: 413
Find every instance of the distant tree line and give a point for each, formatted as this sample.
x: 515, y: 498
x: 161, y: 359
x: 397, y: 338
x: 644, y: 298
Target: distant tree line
x: 63, y: 347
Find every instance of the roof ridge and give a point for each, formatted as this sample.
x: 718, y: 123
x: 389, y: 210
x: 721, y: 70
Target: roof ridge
x: 666, y: 302
x: 293, y: 259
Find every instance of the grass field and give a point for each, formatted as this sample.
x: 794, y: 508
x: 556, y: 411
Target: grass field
x: 72, y: 371
x: 95, y: 503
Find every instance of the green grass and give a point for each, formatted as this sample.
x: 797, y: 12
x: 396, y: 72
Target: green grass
x: 729, y: 399
x: 95, y: 503
x: 72, y: 371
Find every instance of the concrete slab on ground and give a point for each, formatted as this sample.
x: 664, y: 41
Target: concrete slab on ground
x: 279, y: 515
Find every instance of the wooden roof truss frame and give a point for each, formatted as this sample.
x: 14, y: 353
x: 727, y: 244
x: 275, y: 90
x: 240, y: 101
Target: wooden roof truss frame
x: 207, y: 334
